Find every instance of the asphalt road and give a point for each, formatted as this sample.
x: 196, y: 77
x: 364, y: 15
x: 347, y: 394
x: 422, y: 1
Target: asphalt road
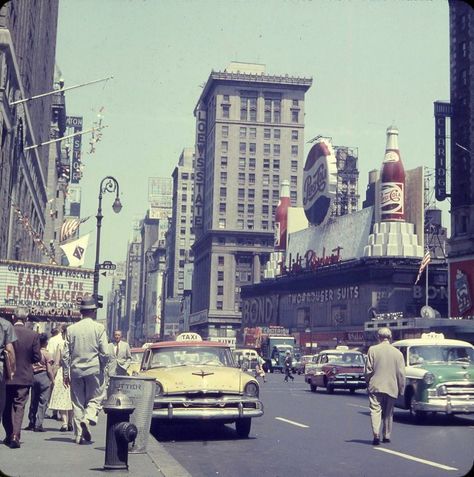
x: 316, y: 434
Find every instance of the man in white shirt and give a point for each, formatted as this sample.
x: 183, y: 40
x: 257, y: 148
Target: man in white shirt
x: 120, y: 356
x: 85, y: 351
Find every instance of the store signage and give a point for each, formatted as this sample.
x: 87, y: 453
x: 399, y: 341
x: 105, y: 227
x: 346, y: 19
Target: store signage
x: 75, y: 122
x: 463, y: 295
x: 47, y: 291
x: 319, y: 182
x: 260, y: 310
x: 231, y: 342
x: 201, y: 127
x: 325, y: 295
x: 311, y: 261
x: 441, y: 110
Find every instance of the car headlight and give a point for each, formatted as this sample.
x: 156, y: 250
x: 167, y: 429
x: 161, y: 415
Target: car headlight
x: 251, y: 389
x: 158, y: 389
x: 442, y: 390
x: 429, y: 378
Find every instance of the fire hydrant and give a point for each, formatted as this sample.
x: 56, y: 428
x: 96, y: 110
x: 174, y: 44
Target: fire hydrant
x: 120, y: 432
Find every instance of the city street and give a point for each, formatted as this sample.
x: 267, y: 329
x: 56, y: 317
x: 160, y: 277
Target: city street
x: 316, y: 434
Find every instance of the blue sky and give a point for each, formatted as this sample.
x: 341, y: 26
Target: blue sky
x: 372, y: 63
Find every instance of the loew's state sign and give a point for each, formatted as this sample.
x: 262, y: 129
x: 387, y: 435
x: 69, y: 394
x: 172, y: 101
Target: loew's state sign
x: 49, y: 292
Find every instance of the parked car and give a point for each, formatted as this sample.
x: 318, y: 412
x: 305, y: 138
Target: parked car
x: 199, y: 380
x: 439, y: 375
x: 245, y: 358
x: 339, y: 368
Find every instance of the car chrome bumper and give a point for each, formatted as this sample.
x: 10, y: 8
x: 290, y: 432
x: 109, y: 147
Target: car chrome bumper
x: 207, y: 409
x: 347, y: 382
x: 446, y: 404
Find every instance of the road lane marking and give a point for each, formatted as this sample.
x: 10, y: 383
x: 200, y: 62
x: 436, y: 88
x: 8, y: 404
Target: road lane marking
x: 416, y: 459
x: 358, y: 405
x: 292, y: 422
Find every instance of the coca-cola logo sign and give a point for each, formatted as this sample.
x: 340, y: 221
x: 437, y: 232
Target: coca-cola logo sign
x: 319, y: 182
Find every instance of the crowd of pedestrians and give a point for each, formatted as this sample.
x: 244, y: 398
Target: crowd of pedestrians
x: 66, y: 373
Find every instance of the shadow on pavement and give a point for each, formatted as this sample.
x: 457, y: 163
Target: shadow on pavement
x: 432, y: 420
x: 361, y: 441
x: 70, y: 440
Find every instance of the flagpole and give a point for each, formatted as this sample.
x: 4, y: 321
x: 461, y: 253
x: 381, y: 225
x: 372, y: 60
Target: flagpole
x: 426, y: 284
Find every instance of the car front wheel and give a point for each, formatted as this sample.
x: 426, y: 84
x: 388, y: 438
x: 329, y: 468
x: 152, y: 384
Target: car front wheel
x: 418, y: 416
x: 242, y: 426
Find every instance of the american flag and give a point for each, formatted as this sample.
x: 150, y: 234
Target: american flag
x: 69, y: 227
x: 424, y: 263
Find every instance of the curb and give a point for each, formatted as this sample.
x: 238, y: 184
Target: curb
x: 163, y: 460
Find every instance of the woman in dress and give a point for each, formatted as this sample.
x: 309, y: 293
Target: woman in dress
x: 61, y: 396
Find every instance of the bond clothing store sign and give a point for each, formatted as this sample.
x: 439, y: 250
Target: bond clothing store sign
x: 48, y: 292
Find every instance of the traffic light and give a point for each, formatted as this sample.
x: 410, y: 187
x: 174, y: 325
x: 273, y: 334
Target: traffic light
x: 99, y: 301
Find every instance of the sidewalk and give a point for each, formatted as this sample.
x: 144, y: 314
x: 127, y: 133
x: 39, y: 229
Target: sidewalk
x: 54, y: 454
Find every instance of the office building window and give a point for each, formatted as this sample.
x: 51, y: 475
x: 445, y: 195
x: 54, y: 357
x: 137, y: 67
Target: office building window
x: 265, y: 224
x: 294, y: 166
x: 221, y: 223
x: 185, y: 176
x: 265, y: 179
x: 252, y: 133
x: 220, y: 289
x: 275, y: 194
x: 184, y: 197
x: 183, y: 220
x: 294, y: 150
x: 182, y: 252
x: 223, y: 177
x: 225, y: 110
x: 275, y: 180
x: 294, y: 181
x: 240, y: 224
x: 276, y: 149
x: 240, y: 208
x: 181, y: 274
x: 241, y: 193
x: 276, y: 164
x: 220, y: 260
x: 225, y: 131
x: 250, y: 224
x: 225, y: 98
x: 220, y: 275
x: 222, y: 207
x: 295, y: 102
x: 266, y: 163
x: 252, y: 148
x: 219, y: 305
x: 182, y: 230
x: 294, y: 116
x: 181, y: 263
x: 248, y: 106
x: 241, y: 163
x: 267, y: 133
x: 223, y: 192
x: 251, y: 209
x: 243, y: 147
x: 294, y: 134
x: 265, y: 209
x: 251, y: 178
x: 183, y: 209
x: 180, y: 286
x: 251, y: 194
x: 252, y: 163
x: 224, y: 161
x: 265, y: 194
x: 276, y: 133
x: 266, y: 149
x: 241, y: 178
x: 272, y: 110
x: 293, y: 197
x: 224, y: 146
x: 243, y: 133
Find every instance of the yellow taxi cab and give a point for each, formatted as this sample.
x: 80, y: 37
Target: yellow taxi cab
x: 199, y: 380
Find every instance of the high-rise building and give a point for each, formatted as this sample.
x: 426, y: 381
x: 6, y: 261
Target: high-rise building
x: 249, y: 137
x: 180, y: 236
x: 27, y: 55
x: 461, y: 242
x: 132, y: 291
x: 347, y: 191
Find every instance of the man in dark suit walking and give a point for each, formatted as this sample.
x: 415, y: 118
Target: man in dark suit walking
x: 27, y: 352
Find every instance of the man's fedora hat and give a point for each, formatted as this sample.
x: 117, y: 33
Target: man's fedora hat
x: 21, y: 313
x: 88, y: 303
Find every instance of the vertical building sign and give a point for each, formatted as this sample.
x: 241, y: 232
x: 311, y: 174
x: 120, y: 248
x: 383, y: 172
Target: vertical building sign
x: 201, y: 126
x: 441, y: 111
x: 75, y: 122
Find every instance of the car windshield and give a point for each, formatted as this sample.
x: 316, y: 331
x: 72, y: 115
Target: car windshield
x: 440, y: 354
x: 137, y: 356
x: 345, y: 359
x: 191, y: 355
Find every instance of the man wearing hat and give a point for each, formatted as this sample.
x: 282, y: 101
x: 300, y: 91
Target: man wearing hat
x: 27, y: 352
x: 7, y: 337
x: 85, y: 349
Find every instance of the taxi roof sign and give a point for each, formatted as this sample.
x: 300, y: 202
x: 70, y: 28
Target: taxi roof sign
x: 432, y: 336
x: 188, y: 337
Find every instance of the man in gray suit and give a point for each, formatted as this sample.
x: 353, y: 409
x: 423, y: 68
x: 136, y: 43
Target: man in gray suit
x: 385, y: 376
x: 85, y: 352
x: 120, y: 356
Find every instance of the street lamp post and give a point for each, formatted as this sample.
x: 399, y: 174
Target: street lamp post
x: 108, y: 184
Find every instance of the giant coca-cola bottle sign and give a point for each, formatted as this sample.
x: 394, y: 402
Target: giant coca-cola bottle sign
x: 392, y: 181
x: 319, y: 182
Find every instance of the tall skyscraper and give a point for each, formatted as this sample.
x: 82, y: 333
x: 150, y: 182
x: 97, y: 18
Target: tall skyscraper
x: 180, y: 236
x: 461, y: 242
x: 249, y: 137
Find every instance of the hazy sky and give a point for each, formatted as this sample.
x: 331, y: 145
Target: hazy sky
x: 372, y: 63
